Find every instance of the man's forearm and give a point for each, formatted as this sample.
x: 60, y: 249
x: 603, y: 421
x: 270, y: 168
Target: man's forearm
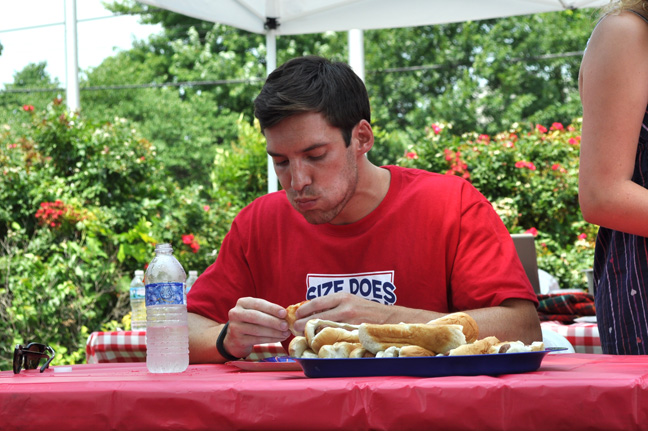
x: 203, y: 334
x: 513, y: 320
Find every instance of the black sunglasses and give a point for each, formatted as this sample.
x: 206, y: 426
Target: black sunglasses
x: 30, y: 355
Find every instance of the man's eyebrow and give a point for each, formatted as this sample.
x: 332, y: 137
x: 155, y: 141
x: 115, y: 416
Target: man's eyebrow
x: 305, y: 150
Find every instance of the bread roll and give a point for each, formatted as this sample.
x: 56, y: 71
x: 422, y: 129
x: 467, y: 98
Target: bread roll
x: 337, y: 350
x: 290, y: 317
x: 516, y: 347
x: 409, y: 351
x: 435, y: 338
x: 470, y: 328
x: 390, y: 352
x: 361, y: 352
x: 320, y: 332
x: 297, y: 347
x: 479, y: 347
x: 329, y: 335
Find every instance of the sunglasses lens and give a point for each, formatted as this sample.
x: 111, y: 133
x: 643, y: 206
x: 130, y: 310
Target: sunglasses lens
x: 33, y: 354
x: 17, y: 359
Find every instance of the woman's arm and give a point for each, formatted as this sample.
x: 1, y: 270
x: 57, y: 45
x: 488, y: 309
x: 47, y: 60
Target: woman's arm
x: 614, y: 93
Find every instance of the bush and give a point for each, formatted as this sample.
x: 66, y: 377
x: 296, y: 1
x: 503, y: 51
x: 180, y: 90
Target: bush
x: 83, y: 205
x: 531, y: 178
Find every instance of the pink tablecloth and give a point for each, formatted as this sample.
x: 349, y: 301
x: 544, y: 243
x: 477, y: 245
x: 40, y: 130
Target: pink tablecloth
x: 569, y: 392
x: 583, y: 336
x: 130, y: 346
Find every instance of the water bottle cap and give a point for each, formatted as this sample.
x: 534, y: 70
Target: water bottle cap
x: 139, y: 272
x: 191, y: 272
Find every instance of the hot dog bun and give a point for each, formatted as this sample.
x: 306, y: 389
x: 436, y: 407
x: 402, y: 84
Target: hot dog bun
x: 470, y: 328
x: 361, y: 352
x: 479, y: 347
x: 516, y: 346
x: 435, y: 338
x: 298, y: 346
x: 320, y: 332
x: 337, y: 350
x: 290, y: 317
x: 408, y: 351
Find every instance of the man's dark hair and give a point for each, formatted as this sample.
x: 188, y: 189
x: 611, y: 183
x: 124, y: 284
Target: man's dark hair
x: 314, y: 84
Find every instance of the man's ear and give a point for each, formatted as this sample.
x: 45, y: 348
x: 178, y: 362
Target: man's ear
x: 363, y: 135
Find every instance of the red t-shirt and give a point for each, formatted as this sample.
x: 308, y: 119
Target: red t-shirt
x: 433, y: 243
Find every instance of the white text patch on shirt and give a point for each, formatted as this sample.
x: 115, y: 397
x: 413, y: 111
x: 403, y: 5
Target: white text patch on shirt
x: 374, y: 286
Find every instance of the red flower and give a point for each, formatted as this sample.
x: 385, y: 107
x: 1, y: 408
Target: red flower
x: 191, y: 242
x: 28, y: 108
x: 540, y: 128
x: 436, y: 128
x: 533, y: 231
x: 582, y: 236
x: 574, y: 141
x: 557, y: 126
x: 524, y: 164
x: 484, y: 139
x: 411, y: 155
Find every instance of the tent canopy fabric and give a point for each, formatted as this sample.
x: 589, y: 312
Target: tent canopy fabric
x: 317, y: 16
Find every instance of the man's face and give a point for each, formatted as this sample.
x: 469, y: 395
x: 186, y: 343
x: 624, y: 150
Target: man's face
x: 315, y: 168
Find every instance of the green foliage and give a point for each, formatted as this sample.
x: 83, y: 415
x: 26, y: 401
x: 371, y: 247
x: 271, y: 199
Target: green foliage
x: 530, y: 177
x: 83, y: 205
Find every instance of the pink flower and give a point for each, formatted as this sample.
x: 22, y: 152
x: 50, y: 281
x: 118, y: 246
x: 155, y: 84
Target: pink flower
x: 540, y: 128
x: 533, y: 231
x: 574, y: 141
x: 484, y: 139
x: 411, y: 155
x: 557, y: 126
x: 187, y: 239
x: 524, y: 164
x: 436, y: 128
x: 582, y: 236
x: 206, y: 207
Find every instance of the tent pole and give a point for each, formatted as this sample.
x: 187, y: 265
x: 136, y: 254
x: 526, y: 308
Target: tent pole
x: 271, y: 64
x: 71, y: 57
x: 356, y: 52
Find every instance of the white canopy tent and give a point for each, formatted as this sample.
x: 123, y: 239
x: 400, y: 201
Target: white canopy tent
x: 277, y: 17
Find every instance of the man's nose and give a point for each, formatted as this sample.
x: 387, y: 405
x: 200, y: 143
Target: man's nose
x: 299, y: 177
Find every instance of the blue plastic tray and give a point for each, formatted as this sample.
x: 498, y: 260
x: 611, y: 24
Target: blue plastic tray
x: 429, y: 366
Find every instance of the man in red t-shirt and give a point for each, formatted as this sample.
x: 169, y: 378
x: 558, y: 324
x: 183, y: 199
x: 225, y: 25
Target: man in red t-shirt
x: 363, y: 243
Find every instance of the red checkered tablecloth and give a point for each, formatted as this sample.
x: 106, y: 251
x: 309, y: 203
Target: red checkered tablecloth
x: 130, y: 346
x: 583, y: 336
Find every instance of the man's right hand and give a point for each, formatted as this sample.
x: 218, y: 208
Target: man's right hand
x: 254, y: 321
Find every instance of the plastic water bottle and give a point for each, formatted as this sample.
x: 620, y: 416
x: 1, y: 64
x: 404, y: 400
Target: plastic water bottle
x: 193, y: 276
x: 167, y: 336
x: 138, y: 302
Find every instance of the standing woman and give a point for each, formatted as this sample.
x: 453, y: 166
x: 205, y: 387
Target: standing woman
x: 613, y: 178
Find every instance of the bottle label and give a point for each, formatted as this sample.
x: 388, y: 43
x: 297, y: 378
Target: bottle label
x: 137, y: 293
x: 165, y: 294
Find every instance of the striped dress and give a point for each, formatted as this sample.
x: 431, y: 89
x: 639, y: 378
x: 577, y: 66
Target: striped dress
x: 621, y: 277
